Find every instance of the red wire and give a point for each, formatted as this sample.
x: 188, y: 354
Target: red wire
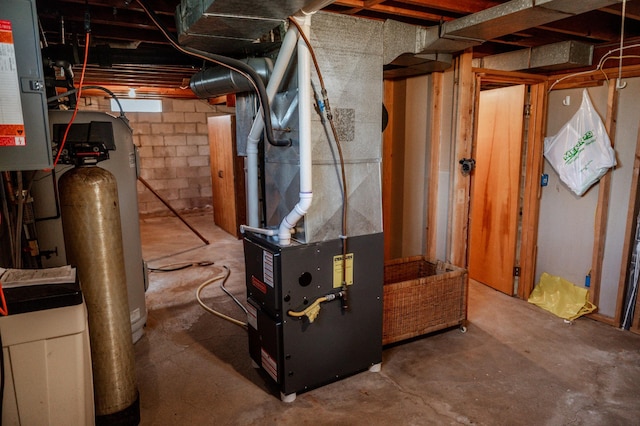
x: 3, y: 309
x: 79, y: 93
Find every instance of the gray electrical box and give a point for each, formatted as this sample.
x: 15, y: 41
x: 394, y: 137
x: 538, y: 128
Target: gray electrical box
x: 24, y: 129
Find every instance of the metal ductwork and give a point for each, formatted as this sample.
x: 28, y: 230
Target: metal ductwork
x: 472, y: 30
x: 230, y: 26
x: 219, y: 80
x: 552, y: 57
x: 506, y: 18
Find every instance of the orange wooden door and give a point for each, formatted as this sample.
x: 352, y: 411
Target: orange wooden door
x: 496, y: 187
x: 227, y: 175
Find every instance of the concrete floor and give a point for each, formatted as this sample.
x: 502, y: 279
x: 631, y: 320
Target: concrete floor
x: 516, y: 365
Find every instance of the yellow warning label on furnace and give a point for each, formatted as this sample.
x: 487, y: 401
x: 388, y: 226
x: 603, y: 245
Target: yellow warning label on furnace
x: 337, y: 270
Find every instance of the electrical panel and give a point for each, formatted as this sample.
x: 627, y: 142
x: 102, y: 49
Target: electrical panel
x: 24, y: 129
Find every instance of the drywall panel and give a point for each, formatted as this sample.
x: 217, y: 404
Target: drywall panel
x: 565, y: 231
x: 625, y: 146
x: 415, y: 168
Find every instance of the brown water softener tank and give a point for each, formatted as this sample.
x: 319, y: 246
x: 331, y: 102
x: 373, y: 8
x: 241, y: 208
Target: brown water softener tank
x: 93, y: 239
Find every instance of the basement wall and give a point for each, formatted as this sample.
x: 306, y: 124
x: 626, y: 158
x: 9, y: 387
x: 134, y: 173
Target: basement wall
x: 174, y: 152
x: 566, y: 227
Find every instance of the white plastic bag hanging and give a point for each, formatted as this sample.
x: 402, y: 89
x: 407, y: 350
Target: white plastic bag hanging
x: 581, y: 151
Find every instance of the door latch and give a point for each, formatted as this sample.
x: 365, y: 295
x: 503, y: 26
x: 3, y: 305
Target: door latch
x: 467, y: 165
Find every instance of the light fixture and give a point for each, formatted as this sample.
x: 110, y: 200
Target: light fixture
x: 132, y: 92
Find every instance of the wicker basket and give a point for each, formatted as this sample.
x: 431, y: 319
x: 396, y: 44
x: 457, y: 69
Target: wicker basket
x: 421, y: 297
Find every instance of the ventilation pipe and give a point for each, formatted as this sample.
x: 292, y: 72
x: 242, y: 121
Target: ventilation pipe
x: 219, y: 81
x: 304, y: 113
x: 303, y: 18
x: 279, y: 69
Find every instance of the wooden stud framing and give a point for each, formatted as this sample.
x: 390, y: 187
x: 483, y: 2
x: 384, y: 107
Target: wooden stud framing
x: 434, y: 166
x: 532, y: 189
x: 586, y: 80
x: 392, y: 170
x: 387, y: 169
x: 463, y: 141
x: 604, y: 195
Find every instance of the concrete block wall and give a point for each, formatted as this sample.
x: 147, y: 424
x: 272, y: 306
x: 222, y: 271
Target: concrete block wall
x: 174, y: 152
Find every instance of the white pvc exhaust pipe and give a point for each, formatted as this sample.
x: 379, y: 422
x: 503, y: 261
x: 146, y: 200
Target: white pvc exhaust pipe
x: 304, y: 113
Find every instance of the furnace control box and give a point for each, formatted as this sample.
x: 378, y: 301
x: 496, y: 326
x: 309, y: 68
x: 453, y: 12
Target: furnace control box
x: 299, y: 354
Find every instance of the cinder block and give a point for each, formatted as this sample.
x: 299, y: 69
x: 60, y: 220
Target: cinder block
x: 197, y: 140
x: 150, y: 117
x: 152, y: 162
x: 184, y: 105
x: 163, y: 173
x: 178, y: 183
x: 189, y: 193
x: 141, y: 129
x: 198, y: 161
x: 176, y: 161
x: 162, y: 129
x: 187, y: 151
x: 203, y: 106
x: 186, y: 128
x: 151, y: 140
x: 175, y: 140
x: 173, y: 117
x: 200, y: 182
x: 195, y: 117
x: 186, y: 172
x: 145, y: 151
x: 203, y: 171
x: 206, y: 192
x: 164, y: 151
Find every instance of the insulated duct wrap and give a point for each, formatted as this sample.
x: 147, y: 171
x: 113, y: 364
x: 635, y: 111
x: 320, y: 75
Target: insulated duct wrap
x: 219, y: 80
x: 93, y: 239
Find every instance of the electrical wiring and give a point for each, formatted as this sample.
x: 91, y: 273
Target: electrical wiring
x: 75, y: 111
x: 104, y: 89
x: 224, y: 277
x: 607, y: 56
x: 180, y: 266
x: 345, y: 203
x: 3, y: 303
x: 233, y: 64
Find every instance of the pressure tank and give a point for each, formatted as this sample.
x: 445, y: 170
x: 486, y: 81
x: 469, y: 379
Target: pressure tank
x: 93, y: 238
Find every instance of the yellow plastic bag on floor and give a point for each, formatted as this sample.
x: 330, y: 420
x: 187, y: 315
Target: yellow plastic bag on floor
x: 561, y: 297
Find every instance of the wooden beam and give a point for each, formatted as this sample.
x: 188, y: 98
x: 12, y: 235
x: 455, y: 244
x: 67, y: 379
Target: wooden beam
x: 604, y: 195
x: 463, y: 144
x: 437, y: 79
x: 532, y: 189
x: 358, y: 6
x: 387, y: 166
x: 461, y: 7
x: 392, y: 167
x: 590, y: 78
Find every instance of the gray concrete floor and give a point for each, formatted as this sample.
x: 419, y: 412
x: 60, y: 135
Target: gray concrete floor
x: 516, y: 365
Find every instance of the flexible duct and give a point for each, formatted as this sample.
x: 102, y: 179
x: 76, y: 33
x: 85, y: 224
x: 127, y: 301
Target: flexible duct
x: 93, y: 240
x: 219, y: 81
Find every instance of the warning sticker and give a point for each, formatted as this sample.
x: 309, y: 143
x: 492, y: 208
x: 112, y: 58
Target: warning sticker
x: 267, y: 268
x: 11, y: 119
x: 252, y: 316
x: 337, y: 270
x: 269, y: 364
